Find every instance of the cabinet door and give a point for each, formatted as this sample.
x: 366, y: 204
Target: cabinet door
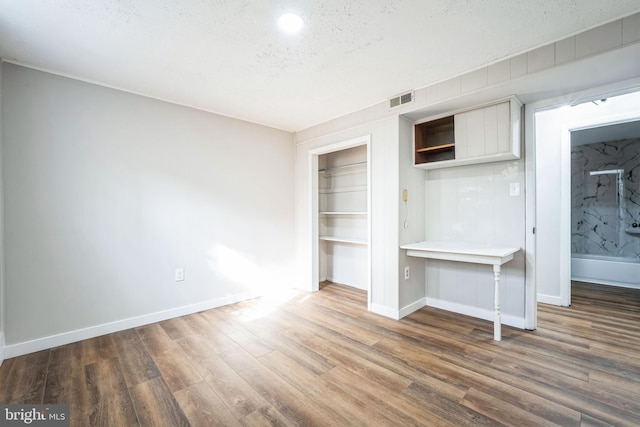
x: 483, y: 132
x: 503, y: 128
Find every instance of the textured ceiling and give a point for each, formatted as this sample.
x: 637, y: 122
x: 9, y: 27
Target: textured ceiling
x: 228, y: 57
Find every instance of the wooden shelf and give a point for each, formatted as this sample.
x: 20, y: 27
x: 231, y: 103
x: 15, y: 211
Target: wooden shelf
x: 438, y: 147
x: 353, y: 240
x: 434, y: 141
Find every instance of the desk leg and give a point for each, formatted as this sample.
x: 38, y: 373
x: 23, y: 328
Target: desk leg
x: 497, y: 327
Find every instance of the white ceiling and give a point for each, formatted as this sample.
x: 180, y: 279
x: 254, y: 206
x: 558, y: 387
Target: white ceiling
x: 608, y: 133
x: 228, y: 57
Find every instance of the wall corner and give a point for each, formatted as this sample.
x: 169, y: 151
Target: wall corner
x: 2, y: 275
x: 1, y: 348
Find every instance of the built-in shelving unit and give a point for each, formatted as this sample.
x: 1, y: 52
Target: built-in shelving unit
x: 483, y: 134
x: 343, y: 215
x: 434, y: 140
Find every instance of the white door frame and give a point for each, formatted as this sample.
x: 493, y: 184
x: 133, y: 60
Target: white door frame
x: 531, y: 298
x: 533, y: 260
x: 314, y: 203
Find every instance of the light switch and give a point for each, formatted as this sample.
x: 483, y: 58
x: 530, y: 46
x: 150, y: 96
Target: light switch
x: 514, y: 189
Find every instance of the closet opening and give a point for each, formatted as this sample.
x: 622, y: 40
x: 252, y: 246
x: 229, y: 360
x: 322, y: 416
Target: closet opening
x: 341, y: 217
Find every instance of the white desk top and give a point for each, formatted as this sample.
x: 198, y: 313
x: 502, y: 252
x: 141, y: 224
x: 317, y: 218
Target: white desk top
x: 460, y: 251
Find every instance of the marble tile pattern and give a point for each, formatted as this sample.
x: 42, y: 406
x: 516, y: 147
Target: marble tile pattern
x: 599, y: 217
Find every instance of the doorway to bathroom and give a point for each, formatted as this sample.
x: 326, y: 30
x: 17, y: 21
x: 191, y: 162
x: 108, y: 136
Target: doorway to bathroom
x: 587, y: 195
x: 605, y: 204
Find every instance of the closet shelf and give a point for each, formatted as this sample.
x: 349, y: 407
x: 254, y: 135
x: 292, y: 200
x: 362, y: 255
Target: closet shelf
x: 343, y: 168
x: 352, y: 189
x: 353, y: 240
x: 343, y: 213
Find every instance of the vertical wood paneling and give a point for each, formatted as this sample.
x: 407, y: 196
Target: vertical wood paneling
x: 475, y: 132
x: 491, y: 130
x: 460, y: 136
x: 503, y: 127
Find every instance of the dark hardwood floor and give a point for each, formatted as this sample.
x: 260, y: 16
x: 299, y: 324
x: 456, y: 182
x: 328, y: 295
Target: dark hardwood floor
x: 322, y: 359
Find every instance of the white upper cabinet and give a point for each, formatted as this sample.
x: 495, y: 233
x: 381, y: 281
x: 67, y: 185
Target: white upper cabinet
x: 485, y: 134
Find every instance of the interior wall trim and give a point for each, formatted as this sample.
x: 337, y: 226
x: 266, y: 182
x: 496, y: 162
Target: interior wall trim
x: 51, y: 341
x: 414, y: 306
x: 2, y: 353
x: 481, y: 313
x: 550, y: 299
x: 384, y: 311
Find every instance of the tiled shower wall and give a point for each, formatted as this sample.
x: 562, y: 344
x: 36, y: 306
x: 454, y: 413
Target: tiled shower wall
x: 599, y: 219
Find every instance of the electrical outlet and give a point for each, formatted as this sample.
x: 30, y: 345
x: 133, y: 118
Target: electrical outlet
x: 406, y: 273
x: 179, y: 274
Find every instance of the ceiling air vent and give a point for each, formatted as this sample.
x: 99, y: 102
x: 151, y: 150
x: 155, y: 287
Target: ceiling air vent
x: 399, y: 100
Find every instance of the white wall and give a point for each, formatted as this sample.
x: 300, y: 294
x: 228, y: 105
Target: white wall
x: 106, y: 193
x: 473, y: 204
x: 411, y: 224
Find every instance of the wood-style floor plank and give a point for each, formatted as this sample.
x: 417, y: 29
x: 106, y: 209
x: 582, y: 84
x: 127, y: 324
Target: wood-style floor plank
x: 323, y: 359
x: 66, y: 382
x: 25, y: 380
x: 156, y: 406
x: 136, y: 362
x: 238, y: 395
x: 203, y: 407
x: 328, y: 394
x: 99, y: 348
x: 109, y: 400
x: 290, y: 402
x: 176, y: 369
x: 265, y: 417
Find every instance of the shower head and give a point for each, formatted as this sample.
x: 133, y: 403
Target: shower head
x: 608, y: 172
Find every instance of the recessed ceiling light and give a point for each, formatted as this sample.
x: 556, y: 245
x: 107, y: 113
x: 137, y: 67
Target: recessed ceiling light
x: 290, y: 23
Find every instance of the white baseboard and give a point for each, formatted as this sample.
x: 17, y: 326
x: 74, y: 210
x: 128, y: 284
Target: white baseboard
x: 1, y: 348
x: 44, y: 343
x: 480, y: 313
x: 360, y: 286
x: 384, y: 311
x: 398, y: 314
x: 616, y: 283
x: 414, y: 306
x: 549, y: 299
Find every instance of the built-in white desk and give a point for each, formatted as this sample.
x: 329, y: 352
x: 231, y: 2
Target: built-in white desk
x: 465, y: 252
